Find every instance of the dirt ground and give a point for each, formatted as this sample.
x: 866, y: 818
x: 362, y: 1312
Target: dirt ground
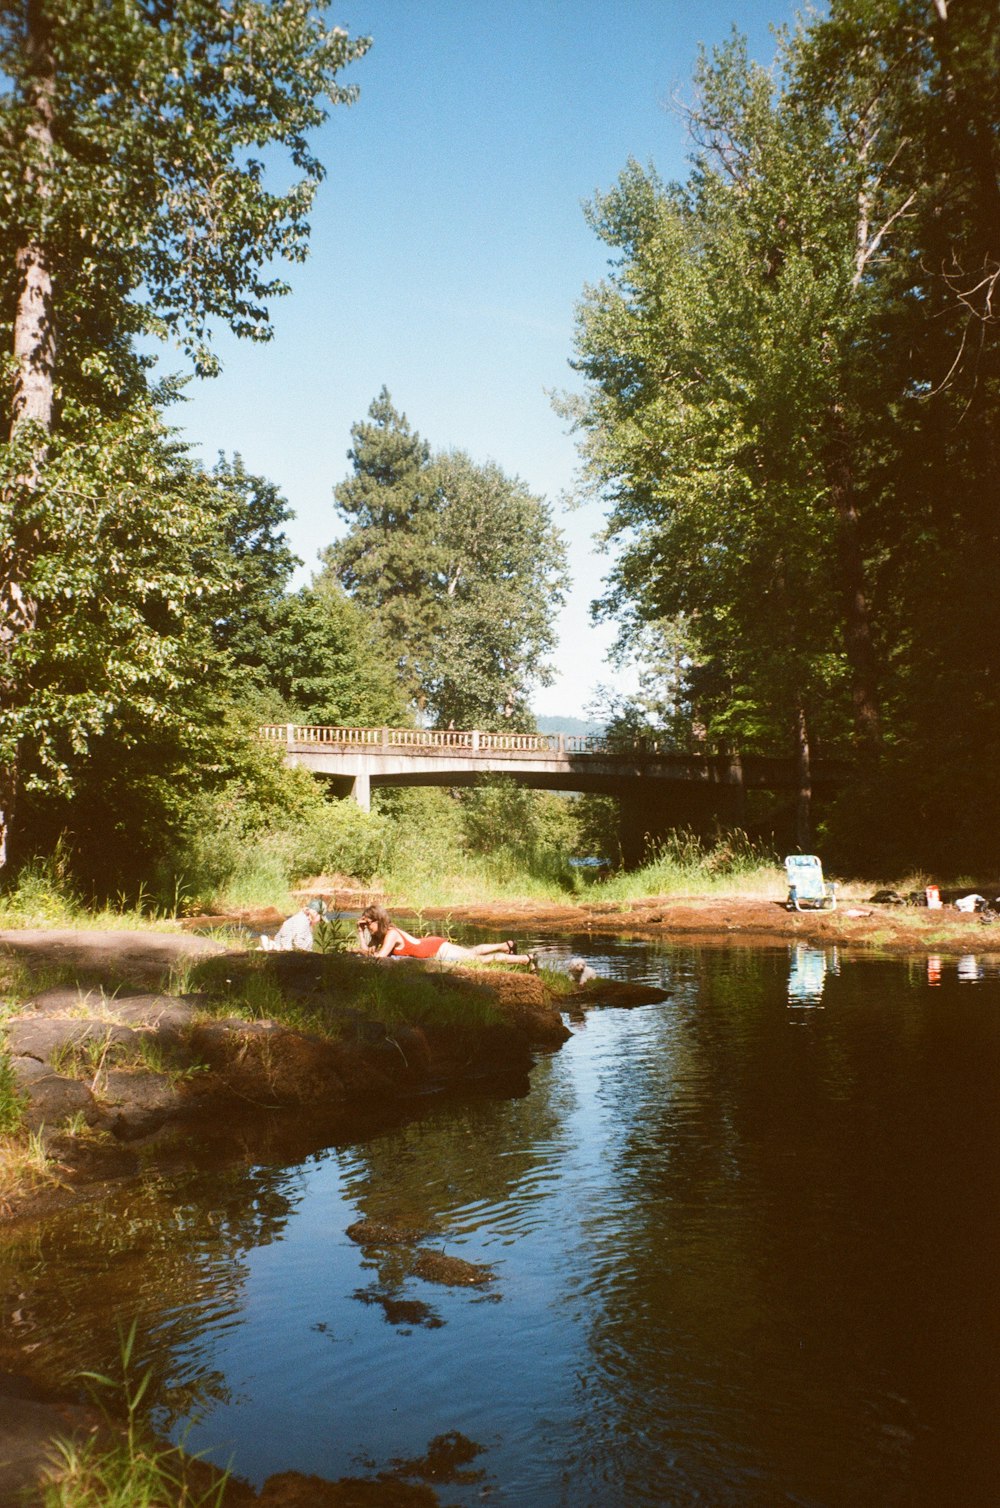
x: 706, y: 921
x: 731, y: 921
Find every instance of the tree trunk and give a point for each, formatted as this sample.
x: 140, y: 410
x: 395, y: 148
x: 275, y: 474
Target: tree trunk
x: 34, y: 339
x: 803, y: 784
x: 857, y: 627
x: 34, y: 387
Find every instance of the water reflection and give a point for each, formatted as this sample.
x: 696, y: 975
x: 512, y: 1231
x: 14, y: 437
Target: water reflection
x: 734, y: 1264
x: 970, y: 968
x: 808, y: 968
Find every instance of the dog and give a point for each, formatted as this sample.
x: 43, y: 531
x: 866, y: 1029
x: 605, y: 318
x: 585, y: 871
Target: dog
x: 580, y: 972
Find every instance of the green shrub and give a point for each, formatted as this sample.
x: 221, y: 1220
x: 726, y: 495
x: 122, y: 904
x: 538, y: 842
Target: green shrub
x: 42, y: 894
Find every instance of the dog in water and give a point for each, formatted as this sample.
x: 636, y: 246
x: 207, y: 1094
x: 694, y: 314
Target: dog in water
x: 580, y: 971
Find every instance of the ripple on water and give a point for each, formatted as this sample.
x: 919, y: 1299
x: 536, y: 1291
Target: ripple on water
x: 735, y: 1262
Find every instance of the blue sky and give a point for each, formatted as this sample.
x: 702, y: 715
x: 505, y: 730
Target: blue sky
x: 449, y: 250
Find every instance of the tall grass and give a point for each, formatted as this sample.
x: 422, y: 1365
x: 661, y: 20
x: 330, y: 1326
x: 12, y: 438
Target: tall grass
x: 684, y: 864
x: 130, y: 1469
x: 11, y: 1100
x: 43, y: 895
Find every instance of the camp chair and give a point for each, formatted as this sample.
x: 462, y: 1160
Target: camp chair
x: 806, y: 885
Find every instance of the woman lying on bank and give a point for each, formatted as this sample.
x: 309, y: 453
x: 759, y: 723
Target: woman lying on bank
x: 379, y: 936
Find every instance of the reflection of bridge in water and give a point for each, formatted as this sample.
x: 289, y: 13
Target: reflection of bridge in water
x: 657, y: 788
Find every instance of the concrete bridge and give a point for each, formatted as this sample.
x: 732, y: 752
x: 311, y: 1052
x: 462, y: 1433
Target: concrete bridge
x: 657, y: 788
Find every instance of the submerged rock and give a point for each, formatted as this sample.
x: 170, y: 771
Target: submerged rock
x: 380, y: 1233
x: 616, y: 992
x: 453, y: 1272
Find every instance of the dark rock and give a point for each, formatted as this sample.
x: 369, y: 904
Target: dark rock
x: 51, y: 1099
x: 59, y: 1002
x: 290, y: 1489
x: 437, y: 1267
x: 137, y: 1103
x: 166, y: 1018
x: 139, y: 957
x: 379, y: 1233
x: 46, y: 1037
x: 615, y: 992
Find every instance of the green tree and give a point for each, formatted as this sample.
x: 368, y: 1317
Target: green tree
x: 932, y: 73
x: 496, y: 579
x: 136, y: 202
x: 791, y: 406
x: 253, y: 512
x: 387, y: 505
x: 461, y: 564
x: 119, y: 685
x: 730, y: 367
x: 325, y: 662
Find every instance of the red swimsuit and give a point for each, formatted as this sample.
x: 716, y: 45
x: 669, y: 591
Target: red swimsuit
x: 417, y: 947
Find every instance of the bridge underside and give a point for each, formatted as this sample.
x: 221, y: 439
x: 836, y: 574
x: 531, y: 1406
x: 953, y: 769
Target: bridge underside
x: 657, y: 790
x: 649, y: 809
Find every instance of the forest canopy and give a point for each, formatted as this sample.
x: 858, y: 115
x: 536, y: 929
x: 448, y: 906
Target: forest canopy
x: 790, y: 406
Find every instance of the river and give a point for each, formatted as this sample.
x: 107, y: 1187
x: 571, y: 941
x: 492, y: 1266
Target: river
x: 745, y: 1248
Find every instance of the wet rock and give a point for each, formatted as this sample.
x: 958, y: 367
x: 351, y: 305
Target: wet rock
x: 453, y: 1272
x: 414, y: 1054
x: 617, y: 993
x: 290, y: 1489
x: 380, y: 1233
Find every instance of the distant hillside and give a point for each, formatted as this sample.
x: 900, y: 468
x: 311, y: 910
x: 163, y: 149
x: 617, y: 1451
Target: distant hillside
x: 569, y: 725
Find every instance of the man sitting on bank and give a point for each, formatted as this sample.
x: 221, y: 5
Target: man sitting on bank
x: 295, y: 933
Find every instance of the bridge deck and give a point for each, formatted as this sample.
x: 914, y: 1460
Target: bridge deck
x: 362, y: 757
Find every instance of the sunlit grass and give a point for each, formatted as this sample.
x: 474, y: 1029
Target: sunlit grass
x: 431, y: 877
x: 25, y: 1165
x: 351, y: 990
x: 128, y: 1468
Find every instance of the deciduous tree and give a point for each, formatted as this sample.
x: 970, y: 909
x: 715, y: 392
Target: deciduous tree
x: 461, y: 564
x: 133, y: 138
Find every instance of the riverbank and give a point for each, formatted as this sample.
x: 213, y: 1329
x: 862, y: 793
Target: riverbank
x: 707, y: 920
x: 133, y: 1037
x: 413, y: 1032
x: 131, y: 1051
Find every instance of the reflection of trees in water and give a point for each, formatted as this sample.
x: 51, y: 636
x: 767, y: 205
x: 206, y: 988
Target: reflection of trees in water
x: 168, y: 1252
x: 461, y: 1164
x: 784, y: 1200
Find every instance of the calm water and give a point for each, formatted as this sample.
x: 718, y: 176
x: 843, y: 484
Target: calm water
x: 746, y: 1247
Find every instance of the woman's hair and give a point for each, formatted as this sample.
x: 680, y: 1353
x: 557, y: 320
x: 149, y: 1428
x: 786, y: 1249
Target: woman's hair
x: 376, y: 919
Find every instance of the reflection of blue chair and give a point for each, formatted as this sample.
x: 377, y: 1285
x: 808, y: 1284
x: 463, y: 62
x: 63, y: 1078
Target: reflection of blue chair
x: 806, y: 885
x: 806, y: 975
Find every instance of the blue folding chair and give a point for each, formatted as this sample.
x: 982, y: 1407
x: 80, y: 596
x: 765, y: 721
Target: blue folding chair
x: 807, y: 889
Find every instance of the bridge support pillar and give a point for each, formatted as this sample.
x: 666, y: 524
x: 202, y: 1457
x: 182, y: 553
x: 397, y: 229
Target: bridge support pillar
x: 361, y: 790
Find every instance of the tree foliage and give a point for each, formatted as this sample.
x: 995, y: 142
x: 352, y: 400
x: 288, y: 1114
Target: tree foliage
x: 137, y: 145
x: 461, y: 564
x: 790, y: 406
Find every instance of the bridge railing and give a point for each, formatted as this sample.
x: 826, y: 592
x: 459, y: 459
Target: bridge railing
x: 470, y: 741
